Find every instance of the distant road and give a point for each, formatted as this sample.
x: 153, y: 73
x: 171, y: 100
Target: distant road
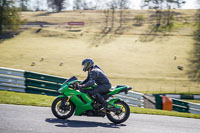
x: 30, y: 119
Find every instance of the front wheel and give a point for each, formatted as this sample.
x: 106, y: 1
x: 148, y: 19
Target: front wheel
x: 119, y: 116
x: 62, y: 111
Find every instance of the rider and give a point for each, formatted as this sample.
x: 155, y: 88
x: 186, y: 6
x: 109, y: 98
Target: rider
x: 95, y: 75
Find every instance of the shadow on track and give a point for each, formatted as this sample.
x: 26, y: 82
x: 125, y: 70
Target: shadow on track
x: 77, y: 123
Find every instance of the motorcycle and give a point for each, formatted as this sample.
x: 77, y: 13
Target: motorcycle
x: 74, y: 101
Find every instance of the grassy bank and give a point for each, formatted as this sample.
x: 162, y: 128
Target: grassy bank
x: 7, y: 97
x: 131, y: 56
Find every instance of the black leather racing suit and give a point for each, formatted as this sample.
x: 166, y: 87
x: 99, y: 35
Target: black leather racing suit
x: 96, y: 75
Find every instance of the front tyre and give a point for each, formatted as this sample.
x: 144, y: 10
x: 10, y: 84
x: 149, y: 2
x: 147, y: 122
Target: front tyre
x: 62, y: 112
x: 122, y: 116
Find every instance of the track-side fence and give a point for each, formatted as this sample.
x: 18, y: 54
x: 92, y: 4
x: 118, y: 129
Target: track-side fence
x: 37, y: 83
x: 42, y: 83
x: 29, y: 82
x: 134, y: 99
x: 12, y: 80
x: 177, y: 105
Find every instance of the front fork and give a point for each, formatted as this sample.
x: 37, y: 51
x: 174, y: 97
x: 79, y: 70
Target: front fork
x: 64, y: 101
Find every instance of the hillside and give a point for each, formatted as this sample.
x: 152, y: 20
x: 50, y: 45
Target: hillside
x: 128, y: 54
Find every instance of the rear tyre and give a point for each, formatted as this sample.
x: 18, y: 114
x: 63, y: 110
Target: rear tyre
x: 121, y: 116
x: 62, y: 112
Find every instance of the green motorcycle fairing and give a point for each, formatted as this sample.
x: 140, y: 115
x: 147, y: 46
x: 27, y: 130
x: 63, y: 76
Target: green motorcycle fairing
x: 112, y: 102
x: 61, y: 96
x: 75, y: 97
x: 82, y: 101
x: 117, y: 90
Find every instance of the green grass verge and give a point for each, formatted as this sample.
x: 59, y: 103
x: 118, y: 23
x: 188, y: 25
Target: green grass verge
x: 8, y: 97
x: 193, y: 101
x: 163, y: 112
x: 169, y: 92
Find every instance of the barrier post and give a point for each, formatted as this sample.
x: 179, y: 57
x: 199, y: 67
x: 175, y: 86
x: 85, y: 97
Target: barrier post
x: 167, y: 103
x: 158, y: 100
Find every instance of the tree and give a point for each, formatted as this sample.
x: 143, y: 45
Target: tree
x: 113, y: 19
x: 122, y: 4
x: 57, y: 5
x: 162, y: 4
x: 9, y: 17
x: 37, y: 7
x: 82, y: 5
x: 98, y: 4
x: 194, y: 71
x: 23, y: 5
x: 165, y: 17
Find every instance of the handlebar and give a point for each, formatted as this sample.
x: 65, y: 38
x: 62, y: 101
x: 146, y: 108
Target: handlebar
x: 74, y: 85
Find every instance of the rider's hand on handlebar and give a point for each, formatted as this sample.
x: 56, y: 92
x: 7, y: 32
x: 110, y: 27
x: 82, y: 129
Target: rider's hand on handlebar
x: 78, y: 87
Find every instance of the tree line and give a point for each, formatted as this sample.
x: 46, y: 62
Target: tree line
x: 59, y: 5
x: 10, y: 20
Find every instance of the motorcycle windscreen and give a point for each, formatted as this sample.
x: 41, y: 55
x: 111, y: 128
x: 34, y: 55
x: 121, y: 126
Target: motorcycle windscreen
x: 70, y: 79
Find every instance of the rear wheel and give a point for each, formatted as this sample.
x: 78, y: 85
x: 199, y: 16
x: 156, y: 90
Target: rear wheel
x: 121, y: 115
x: 62, y: 112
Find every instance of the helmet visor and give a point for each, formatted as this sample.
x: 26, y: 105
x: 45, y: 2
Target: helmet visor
x: 84, y: 67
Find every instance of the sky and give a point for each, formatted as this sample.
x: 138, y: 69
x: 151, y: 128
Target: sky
x: 135, y: 4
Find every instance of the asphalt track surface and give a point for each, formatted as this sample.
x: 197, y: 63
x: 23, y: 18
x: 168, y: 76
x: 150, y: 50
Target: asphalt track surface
x: 30, y: 119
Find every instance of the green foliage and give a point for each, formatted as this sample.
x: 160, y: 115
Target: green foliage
x: 9, y: 17
x: 164, y: 20
x: 139, y: 20
x: 160, y: 4
x: 166, y: 27
x: 171, y: 26
x: 194, y: 71
x: 164, y: 16
x: 57, y: 5
x: 23, y: 5
x: 197, y: 32
x: 179, y: 24
x: 170, y: 92
x: 193, y: 101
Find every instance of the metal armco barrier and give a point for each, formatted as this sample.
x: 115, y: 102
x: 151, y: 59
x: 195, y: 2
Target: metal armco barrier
x: 38, y: 76
x: 29, y: 82
x: 182, y: 96
x: 12, y: 79
x: 194, y: 108
x: 134, y: 99
x: 42, y: 83
x: 188, y: 107
x: 37, y: 83
x: 179, y: 105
